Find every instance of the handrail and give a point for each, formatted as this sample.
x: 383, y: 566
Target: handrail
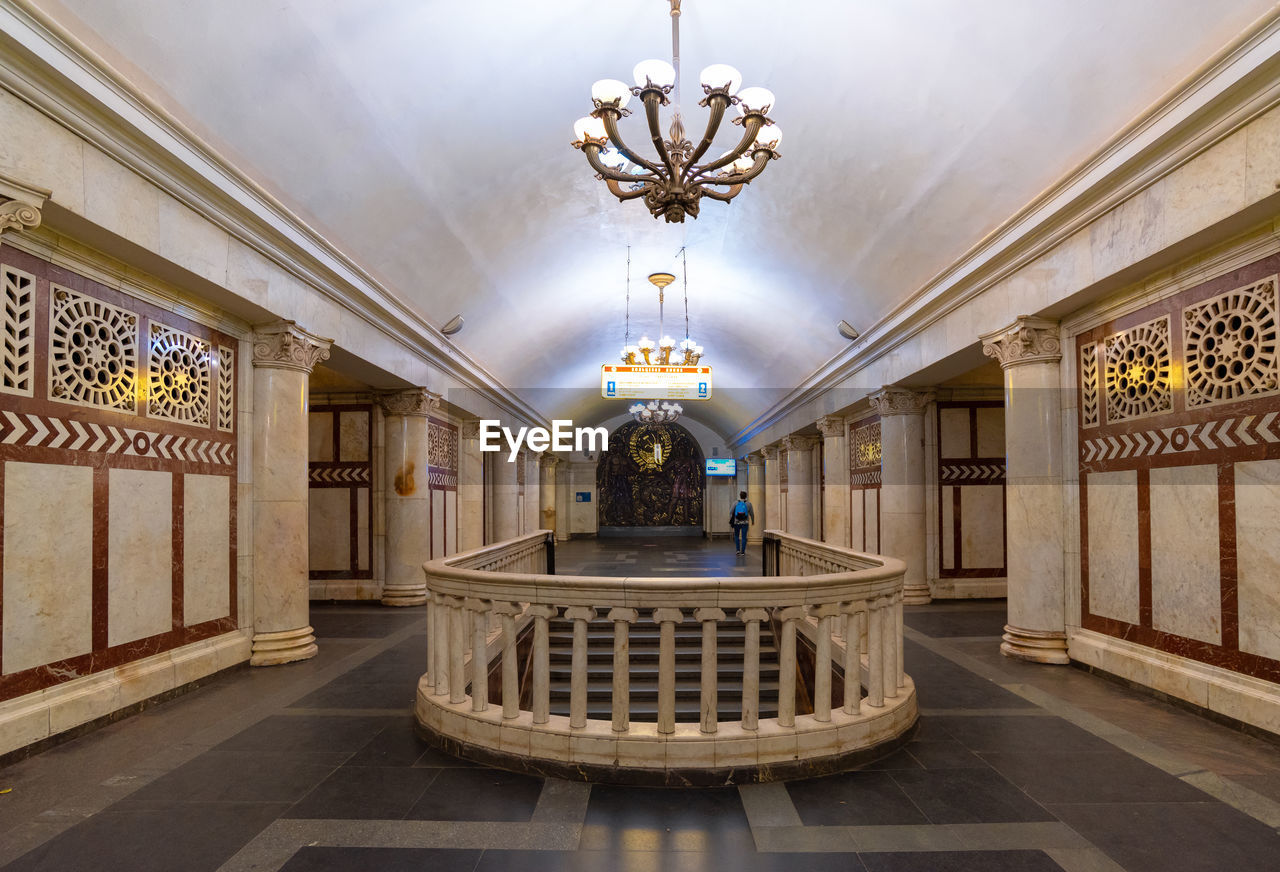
x: 481, y: 601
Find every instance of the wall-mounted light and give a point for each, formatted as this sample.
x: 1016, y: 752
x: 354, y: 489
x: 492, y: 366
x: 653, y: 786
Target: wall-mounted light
x: 453, y: 326
x: 847, y: 331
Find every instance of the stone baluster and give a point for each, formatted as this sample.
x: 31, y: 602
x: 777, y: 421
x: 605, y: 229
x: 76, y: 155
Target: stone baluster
x: 431, y: 641
x: 875, y: 653
x: 889, y: 638
x: 667, y: 620
x: 479, y: 610
x: 580, y: 615
x: 751, y: 667
x: 440, y: 642
x: 825, y: 614
x: 541, y: 662
x: 854, y: 617
x: 457, y: 650
x: 901, y: 677
x: 622, y: 621
x: 787, y: 665
x: 506, y: 613
x: 709, y: 697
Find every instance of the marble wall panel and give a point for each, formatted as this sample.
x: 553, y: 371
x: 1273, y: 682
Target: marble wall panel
x: 140, y: 555
x: 437, y: 524
x: 982, y: 533
x: 954, y: 426
x: 206, y: 548
x: 857, y: 521
x: 48, y: 564
x: 362, y: 529
x: 990, y: 431
x: 353, y: 436
x: 320, y: 437
x: 329, y: 534
x: 451, y: 528
x: 948, y: 527
x: 871, y: 511
x: 1186, y: 577
x: 1113, y: 544
x: 1257, y: 486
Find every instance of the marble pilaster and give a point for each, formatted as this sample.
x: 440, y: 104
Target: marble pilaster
x: 799, y: 485
x: 505, y: 496
x: 563, y: 504
x: 283, y: 356
x: 547, y: 515
x: 532, y: 518
x: 835, y: 481
x: 756, y: 495
x: 772, y: 488
x: 1030, y: 352
x: 408, y: 499
x: 902, y: 497
x: 470, y: 487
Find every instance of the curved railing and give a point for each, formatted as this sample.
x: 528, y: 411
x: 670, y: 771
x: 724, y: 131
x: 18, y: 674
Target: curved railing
x: 847, y: 605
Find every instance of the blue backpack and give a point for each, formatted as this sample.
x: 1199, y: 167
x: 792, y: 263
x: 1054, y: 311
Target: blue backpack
x: 741, y: 512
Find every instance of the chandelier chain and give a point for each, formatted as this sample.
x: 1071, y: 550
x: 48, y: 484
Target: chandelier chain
x: 627, y: 336
x: 685, y: 255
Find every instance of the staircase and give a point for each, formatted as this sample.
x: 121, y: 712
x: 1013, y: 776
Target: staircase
x: 644, y: 637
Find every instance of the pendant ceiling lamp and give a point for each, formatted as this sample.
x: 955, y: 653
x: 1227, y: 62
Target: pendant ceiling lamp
x: 673, y: 184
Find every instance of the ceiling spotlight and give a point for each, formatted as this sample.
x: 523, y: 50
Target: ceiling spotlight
x: 847, y: 331
x: 456, y: 324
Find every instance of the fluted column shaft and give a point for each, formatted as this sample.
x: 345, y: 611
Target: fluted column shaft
x: 902, y: 530
x: 283, y: 357
x: 1030, y: 352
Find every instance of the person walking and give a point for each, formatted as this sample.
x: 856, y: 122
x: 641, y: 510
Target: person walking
x: 741, y: 516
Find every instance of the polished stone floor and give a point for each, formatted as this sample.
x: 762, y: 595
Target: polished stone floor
x: 314, y: 766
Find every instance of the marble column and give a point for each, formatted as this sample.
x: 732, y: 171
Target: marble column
x: 504, y: 495
x: 408, y: 503
x: 547, y: 464
x: 532, y: 519
x: 772, y: 488
x: 283, y: 356
x: 755, y: 495
x: 563, y: 497
x: 470, y: 487
x: 835, y: 481
x: 799, y: 485
x: 1029, y: 351
x: 902, y: 526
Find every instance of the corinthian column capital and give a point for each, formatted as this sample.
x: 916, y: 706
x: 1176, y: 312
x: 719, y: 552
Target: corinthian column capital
x: 769, y: 453
x: 891, y: 400
x: 797, y: 442
x: 285, y: 345
x: 418, y: 402
x: 1026, y: 340
x: 831, y: 426
x: 20, y: 204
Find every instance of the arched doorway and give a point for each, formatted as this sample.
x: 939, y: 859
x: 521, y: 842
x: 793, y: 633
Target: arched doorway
x: 651, y: 479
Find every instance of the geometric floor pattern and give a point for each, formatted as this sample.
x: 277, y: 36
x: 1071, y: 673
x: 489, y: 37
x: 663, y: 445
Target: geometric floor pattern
x: 315, y: 766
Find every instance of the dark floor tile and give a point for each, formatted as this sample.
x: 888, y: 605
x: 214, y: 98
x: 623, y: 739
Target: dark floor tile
x: 945, y: 754
x: 191, y: 837
x: 944, y: 623
x: 365, y: 793
x: 899, y: 759
x: 1175, y: 837
x: 381, y: 860
x: 349, y: 692
x: 396, y: 745
x: 853, y: 799
x: 238, y: 776
x: 1105, y: 777
x: 434, y: 758
x: 476, y: 794
x: 1023, y: 735
x: 374, y: 624
x: 664, y: 861
x: 942, y: 684
x: 289, y: 733
x: 667, y: 820
x: 961, y: 861
x: 968, y: 796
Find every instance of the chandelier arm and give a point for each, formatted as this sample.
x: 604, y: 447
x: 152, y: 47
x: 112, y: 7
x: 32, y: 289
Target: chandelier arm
x: 610, y: 120
x: 592, y: 151
x: 726, y: 196
x: 717, y: 104
x: 651, y: 105
x: 762, y: 157
x: 627, y: 195
x: 750, y: 128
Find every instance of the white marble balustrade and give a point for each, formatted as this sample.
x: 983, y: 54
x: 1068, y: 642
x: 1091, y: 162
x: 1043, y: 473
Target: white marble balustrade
x: 846, y: 603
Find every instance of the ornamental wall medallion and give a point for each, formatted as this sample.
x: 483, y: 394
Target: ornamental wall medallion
x: 180, y: 376
x: 1230, y: 345
x: 1137, y: 368
x: 93, y: 351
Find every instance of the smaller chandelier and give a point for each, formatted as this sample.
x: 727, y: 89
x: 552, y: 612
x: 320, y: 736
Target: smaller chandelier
x: 664, y: 352
x: 654, y: 412
x: 673, y: 185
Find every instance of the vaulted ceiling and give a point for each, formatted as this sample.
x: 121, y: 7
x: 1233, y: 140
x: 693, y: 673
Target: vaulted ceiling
x: 429, y: 140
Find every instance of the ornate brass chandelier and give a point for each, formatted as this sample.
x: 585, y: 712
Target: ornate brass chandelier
x: 664, y: 350
x: 673, y: 185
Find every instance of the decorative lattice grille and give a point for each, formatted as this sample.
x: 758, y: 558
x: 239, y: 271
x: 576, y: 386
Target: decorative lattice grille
x: 442, y: 447
x: 93, y: 351
x: 1230, y: 345
x: 179, y: 388
x: 226, y: 389
x: 17, y: 356
x: 866, y: 446
x: 1137, y: 367
x: 1089, y: 385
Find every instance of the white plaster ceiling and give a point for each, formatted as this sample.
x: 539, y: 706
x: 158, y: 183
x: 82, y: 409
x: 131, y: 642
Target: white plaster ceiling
x: 430, y: 141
